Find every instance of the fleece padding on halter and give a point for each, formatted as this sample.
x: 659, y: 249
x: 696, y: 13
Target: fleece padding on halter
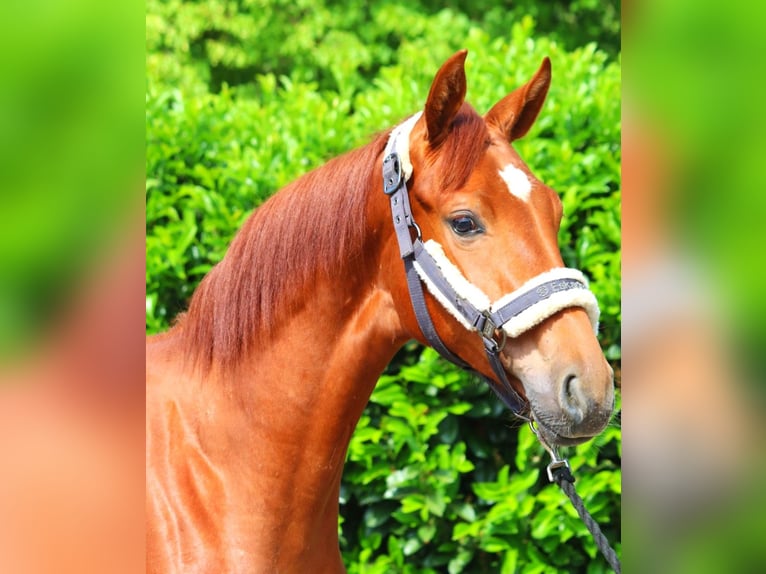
x: 399, y: 142
x: 560, y: 292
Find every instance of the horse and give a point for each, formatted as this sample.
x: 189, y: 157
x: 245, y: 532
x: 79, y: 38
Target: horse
x: 436, y: 231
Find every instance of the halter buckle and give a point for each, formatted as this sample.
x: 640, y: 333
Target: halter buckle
x: 392, y: 173
x: 485, y: 326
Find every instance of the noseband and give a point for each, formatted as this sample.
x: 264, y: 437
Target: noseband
x: 509, y: 316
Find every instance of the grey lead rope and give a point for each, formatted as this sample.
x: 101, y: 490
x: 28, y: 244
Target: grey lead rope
x: 560, y: 473
x: 601, y: 541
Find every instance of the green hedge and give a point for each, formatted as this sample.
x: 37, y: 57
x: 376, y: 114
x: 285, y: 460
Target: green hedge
x: 242, y: 98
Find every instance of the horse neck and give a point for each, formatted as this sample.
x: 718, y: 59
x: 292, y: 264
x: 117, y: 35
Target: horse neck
x: 278, y: 434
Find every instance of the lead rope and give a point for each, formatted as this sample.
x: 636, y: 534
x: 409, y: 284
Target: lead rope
x: 559, y: 472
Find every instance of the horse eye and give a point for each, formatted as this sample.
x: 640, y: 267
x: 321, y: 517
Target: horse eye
x: 464, y: 225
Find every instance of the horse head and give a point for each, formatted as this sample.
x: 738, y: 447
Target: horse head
x: 491, y: 227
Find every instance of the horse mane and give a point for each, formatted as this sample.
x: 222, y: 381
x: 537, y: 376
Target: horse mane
x: 314, y: 226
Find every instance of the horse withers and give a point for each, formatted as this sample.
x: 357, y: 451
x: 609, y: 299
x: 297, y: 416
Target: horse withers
x: 253, y: 394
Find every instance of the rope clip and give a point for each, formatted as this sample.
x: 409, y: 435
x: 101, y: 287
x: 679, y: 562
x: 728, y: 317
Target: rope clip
x: 559, y: 467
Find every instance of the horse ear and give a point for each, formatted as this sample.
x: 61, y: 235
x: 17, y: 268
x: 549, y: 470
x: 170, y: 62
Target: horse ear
x: 445, y: 97
x: 516, y: 112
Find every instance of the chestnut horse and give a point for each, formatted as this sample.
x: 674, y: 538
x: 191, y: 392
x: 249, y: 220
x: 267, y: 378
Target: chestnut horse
x: 254, y: 393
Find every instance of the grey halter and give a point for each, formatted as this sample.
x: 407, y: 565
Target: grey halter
x: 511, y: 315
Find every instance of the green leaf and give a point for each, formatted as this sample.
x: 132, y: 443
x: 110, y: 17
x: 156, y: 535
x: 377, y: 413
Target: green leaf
x: 414, y: 503
x: 510, y: 559
x: 411, y: 546
x: 465, y: 530
x: 493, y: 544
x: 376, y: 515
x: 459, y: 562
x: 426, y: 532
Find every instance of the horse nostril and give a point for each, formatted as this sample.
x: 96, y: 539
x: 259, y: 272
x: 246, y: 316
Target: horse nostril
x: 572, y: 400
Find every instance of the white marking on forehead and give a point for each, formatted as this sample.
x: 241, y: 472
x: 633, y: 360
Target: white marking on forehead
x: 399, y: 141
x: 517, y: 181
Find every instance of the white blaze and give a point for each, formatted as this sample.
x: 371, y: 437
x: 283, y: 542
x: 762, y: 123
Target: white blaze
x: 517, y: 181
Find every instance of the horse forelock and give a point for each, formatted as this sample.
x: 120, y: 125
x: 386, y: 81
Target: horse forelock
x: 456, y: 158
x: 315, y: 225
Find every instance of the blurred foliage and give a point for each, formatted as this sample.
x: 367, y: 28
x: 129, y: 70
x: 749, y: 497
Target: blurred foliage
x: 243, y: 97
x: 71, y: 147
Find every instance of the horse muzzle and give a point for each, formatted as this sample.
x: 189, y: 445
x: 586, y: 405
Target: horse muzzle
x: 572, y: 408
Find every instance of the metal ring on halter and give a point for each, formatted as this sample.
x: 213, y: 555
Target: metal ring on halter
x: 503, y: 339
x: 417, y: 229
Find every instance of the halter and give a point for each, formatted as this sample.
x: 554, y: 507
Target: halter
x: 510, y: 316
